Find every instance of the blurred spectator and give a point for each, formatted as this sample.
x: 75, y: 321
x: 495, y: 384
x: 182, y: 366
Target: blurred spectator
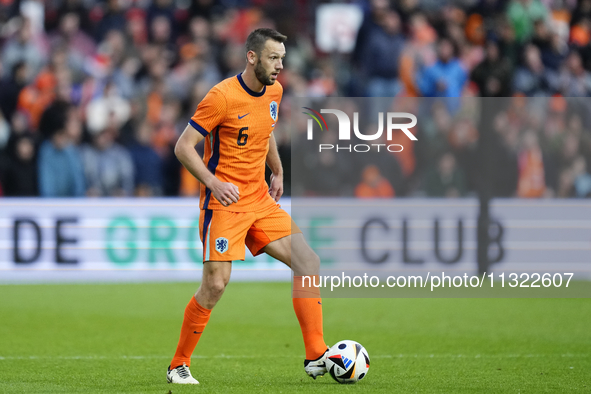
x: 20, y: 174
x: 463, y: 134
x: 322, y: 82
x: 552, y: 124
x: 19, y: 124
x: 189, y: 185
x: 568, y: 153
x: 378, y: 51
x: 160, y: 33
x: 552, y: 46
x: 23, y: 48
x: 162, y: 11
x: 418, y: 52
x: 447, y: 180
x: 192, y: 69
x: 373, y: 184
x: 508, y: 45
x: 147, y: 163
x: 137, y: 29
x: 108, y: 166
x: 445, y: 78
x: 109, y: 107
x: 503, y: 146
x: 493, y: 75
x: 36, y: 97
x: 7, y: 9
x: 387, y: 163
x: 582, y: 11
x: 566, y: 186
x: 554, y: 55
x: 434, y: 130
x: 59, y: 165
x: 123, y: 61
x: 580, y: 34
x: 205, y: 8
x: 533, y: 79
x: 126, y: 135
x: 74, y: 41
x: 574, y: 80
x: 328, y: 173
x: 582, y: 178
x: 78, y: 8
x: 112, y: 19
x: 531, y: 182
x: 167, y: 127
x: 541, y: 35
x: 523, y: 14
x: 10, y: 88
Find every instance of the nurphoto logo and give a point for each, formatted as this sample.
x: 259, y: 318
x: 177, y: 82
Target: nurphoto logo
x: 392, y: 124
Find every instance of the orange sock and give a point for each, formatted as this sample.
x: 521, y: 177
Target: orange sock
x: 194, y: 322
x: 308, y: 308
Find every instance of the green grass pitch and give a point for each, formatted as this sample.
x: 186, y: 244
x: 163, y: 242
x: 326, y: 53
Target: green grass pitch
x: 119, y: 338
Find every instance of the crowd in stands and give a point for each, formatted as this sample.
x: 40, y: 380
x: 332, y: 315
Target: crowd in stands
x: 94, y: 93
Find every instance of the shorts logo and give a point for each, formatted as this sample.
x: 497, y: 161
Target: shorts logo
x: 221, y: 244
x: 273, y: 109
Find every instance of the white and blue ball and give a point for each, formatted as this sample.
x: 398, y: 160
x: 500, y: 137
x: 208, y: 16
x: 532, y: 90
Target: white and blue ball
x: 347, y: 362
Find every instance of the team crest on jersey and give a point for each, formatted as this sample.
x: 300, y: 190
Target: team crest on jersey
x: 221, y: 244
x: 273, y: 109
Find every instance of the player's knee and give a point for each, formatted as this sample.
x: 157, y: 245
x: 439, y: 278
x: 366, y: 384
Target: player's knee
x: 306, y: 263
x: 312, y: 262
x: 216, y: 288
x: 309, y: 256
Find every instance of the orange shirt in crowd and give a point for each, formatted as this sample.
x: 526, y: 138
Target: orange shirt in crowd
x: 531, y: 182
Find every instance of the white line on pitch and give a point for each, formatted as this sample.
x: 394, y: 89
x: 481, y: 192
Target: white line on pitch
x: 567, y: 355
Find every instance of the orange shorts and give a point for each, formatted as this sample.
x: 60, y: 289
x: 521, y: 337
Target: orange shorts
x: 225, y: 233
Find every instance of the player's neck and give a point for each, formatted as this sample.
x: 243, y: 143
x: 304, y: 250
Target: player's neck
x: 251, y: 81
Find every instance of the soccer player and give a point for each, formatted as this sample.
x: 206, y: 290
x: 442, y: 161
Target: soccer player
x: 236, y: 119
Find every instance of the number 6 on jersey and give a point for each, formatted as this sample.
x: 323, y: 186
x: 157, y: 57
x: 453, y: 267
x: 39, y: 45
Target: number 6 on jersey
x: 242, y: 136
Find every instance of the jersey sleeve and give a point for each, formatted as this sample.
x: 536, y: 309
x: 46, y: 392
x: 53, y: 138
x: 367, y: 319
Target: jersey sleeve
x: 210, y: 112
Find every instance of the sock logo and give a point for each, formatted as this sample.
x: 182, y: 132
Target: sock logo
x: 346, y: 361
x: 221, y: 244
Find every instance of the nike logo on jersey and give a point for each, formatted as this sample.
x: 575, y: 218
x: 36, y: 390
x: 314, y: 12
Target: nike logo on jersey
x: 240, y: 117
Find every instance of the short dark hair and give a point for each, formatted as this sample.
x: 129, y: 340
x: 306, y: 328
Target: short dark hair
x: 54, y: 118
x: 257, y: 39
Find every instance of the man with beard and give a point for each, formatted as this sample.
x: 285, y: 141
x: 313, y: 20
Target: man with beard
x: 236, y: 119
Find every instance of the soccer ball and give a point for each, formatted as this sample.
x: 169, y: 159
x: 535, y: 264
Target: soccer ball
x: 347, y: 362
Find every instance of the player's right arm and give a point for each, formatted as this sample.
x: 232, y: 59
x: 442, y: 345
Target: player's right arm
x: 226, y: 193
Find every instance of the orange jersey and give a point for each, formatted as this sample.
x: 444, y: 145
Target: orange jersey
x: 237, y: 124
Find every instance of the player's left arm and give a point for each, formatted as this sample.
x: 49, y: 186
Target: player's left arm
x: 274, y: 163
